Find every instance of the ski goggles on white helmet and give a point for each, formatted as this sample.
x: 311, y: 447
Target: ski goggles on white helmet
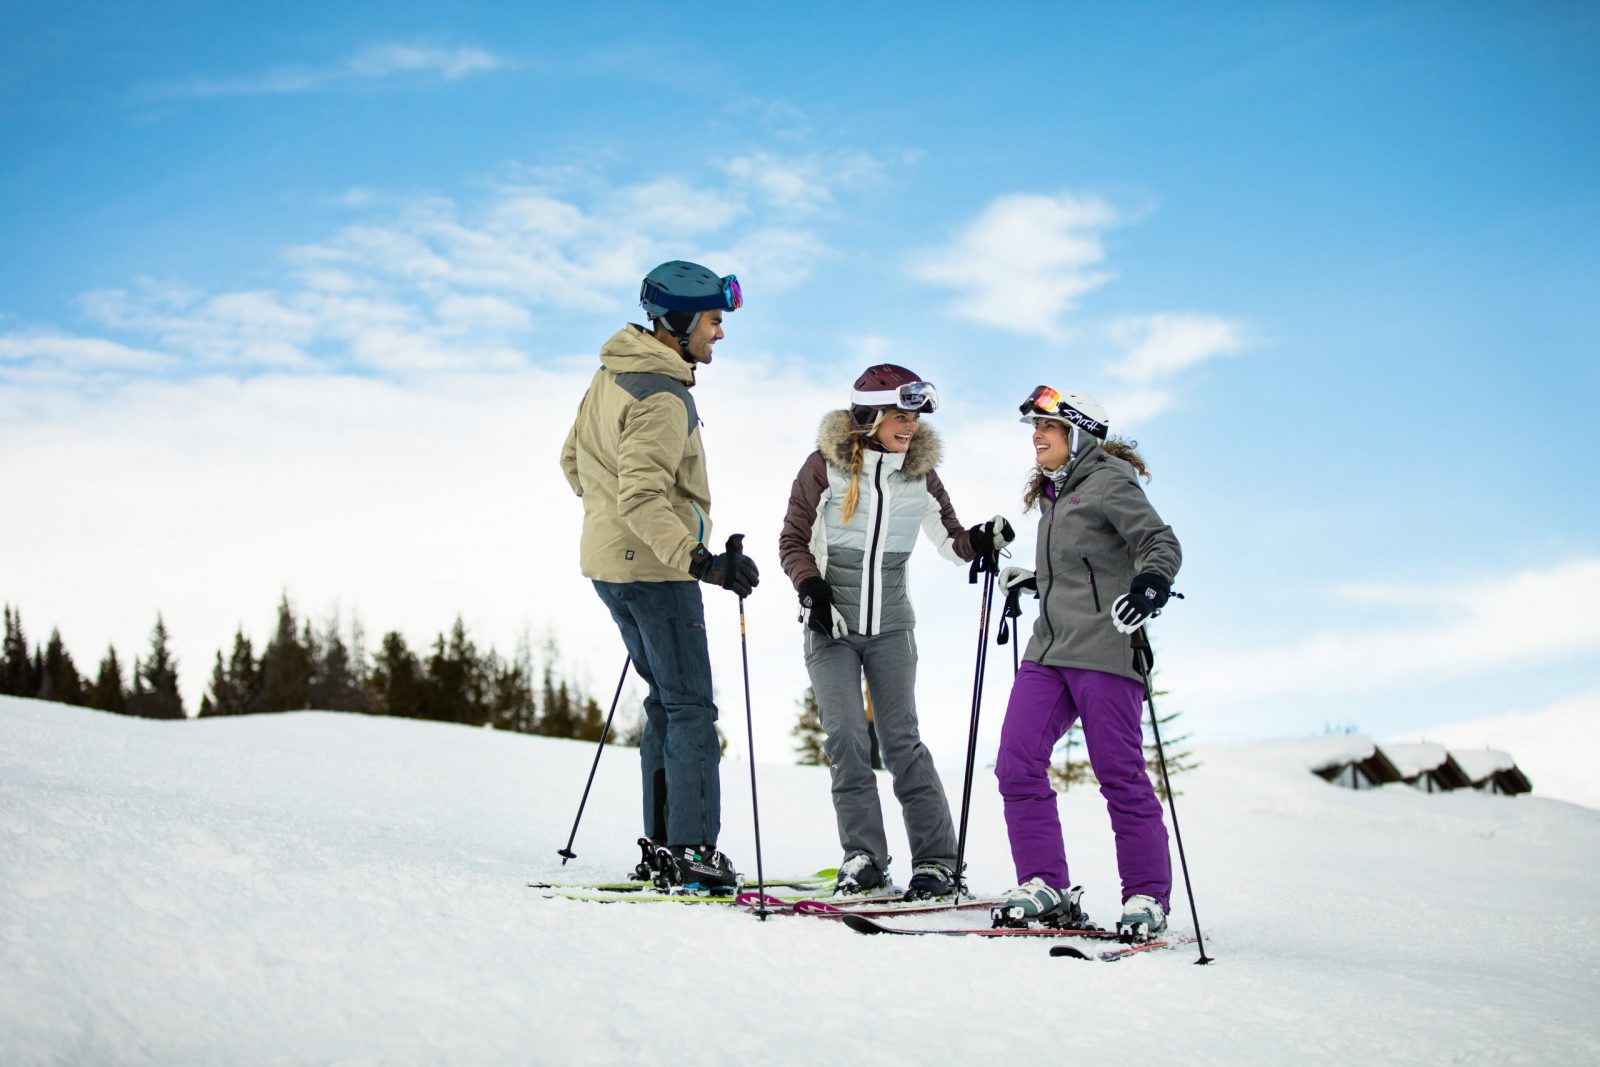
x: 727, y: 298
x: 912, y: 396
x: 1076, y: 409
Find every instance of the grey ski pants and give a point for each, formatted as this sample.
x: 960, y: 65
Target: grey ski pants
x: 890, y: 663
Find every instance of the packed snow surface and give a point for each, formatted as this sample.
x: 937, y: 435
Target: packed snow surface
x: 327, y: 888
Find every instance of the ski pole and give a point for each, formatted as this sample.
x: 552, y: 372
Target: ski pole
x: 1144, y: 660
x: 1008, y: 630
x: 735, y: 550
x: 567, y: 853
x: 972, y: 729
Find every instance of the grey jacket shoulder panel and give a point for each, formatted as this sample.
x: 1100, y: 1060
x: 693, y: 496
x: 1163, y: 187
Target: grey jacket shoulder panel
x: 642, y: 385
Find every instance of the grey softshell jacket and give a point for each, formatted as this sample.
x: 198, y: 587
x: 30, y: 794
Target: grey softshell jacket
x: 1095, y: 535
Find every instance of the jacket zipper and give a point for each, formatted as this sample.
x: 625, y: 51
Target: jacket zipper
x: 872, y: 547
x: 1050, y: 580
x: 1095, y: 589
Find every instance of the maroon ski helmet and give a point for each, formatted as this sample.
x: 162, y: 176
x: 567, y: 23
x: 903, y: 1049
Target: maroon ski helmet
x: 886, y: 386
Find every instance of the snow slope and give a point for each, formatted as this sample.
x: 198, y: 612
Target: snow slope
x: 325, y: 888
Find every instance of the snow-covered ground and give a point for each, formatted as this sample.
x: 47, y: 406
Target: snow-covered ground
x: 325, y: 888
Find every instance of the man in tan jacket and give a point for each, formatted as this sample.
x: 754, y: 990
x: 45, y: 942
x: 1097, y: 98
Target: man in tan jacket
x: 635, y: 456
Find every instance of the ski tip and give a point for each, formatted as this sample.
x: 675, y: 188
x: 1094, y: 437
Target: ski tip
x: 1068, y: 951
x: 860, y: 924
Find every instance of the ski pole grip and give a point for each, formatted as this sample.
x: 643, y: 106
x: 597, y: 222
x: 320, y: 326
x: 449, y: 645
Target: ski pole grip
x: 735, y: 550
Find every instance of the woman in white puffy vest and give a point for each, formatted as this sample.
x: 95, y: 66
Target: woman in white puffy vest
x: 855, y: 510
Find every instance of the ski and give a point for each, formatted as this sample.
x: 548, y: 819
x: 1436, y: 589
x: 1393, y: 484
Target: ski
x: 1115, y: 954
x: 821, y: 879
x: 866, y: 924
x: 832, y: 908
x: 652, y: 895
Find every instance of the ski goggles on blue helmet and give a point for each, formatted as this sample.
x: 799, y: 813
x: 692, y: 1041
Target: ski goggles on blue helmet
x: 727, y: 297
x: 1075, y: 409
x: 912, y: 396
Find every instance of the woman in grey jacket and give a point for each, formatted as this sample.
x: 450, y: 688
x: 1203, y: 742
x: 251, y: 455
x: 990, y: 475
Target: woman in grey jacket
x: 1098, y: 537
x: 855, y: 510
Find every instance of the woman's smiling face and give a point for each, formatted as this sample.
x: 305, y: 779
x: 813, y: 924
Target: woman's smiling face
x: 896, y: 430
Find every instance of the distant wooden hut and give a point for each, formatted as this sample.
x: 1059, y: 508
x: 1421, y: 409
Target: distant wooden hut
x: 1353, y: 761
x: 1492, y: 771
x: 1428, y: 767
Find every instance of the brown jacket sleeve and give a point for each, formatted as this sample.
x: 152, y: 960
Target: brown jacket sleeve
x: 794, y: 544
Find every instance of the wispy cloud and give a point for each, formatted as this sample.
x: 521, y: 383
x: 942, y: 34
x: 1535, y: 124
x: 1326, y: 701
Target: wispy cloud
x: 1470, y: 629
x: 1156, y: 348
x: 1025, y: 262
x: 374, y: 63
x: 431, y: 283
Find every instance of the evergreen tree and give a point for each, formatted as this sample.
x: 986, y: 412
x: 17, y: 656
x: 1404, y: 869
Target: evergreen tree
x: 17, y: 677
x: 558, y: 717
x: 456, y: 685
x: 156, y: 693
x: 591, y: 721
x: 1073, y: 769
x: 59, y: 678
x: 1179, y: 759
x: 285, y: 666
x: 808, y: 733
x: 334, y: 685
x: 107, y: 692
x: 511, y: 702
x: 395, y: 683
x: 235, y: 684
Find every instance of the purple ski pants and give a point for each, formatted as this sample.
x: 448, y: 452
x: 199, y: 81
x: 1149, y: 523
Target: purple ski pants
x: 1045, y: 702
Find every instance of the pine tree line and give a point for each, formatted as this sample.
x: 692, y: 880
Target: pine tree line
x: 304, y: 666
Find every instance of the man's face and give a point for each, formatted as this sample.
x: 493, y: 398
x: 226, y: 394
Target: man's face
x: 707, y: 332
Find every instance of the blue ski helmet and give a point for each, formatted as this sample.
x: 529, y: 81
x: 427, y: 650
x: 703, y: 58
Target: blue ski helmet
x: 677, y: 292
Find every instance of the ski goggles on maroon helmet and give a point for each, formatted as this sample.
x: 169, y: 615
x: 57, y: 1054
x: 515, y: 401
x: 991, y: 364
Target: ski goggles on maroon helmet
x: 912, y: 396
x: 728, y: 298
x: 1050, y: 403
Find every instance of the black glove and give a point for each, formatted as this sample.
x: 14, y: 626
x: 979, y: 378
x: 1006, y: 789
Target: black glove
x: 984, y: 540
x: 1147, y: 594
x: 817, y: 597
x: 731, y: 570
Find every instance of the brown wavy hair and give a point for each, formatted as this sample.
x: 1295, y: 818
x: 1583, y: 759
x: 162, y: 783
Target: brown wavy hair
x: 1117, y: 446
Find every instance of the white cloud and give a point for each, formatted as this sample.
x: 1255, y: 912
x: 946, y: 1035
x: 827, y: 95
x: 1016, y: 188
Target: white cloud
x: 1156, y: 348
x: 1024, y: 262
x: 382, y: 61
x: 1541, y: 742
x: 372, y: 63
x: 1471, y: 629
x: 82, y: 353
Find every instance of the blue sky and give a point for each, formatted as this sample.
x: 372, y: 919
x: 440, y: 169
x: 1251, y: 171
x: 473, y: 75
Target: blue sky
x: 302, y: 300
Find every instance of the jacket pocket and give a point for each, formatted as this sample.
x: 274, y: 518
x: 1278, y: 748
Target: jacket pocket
x: 1094, y: 589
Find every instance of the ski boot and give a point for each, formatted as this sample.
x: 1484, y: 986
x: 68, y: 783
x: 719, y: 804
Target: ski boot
x: 1033, y: 903
x: 859, y: 875
x: 931, y: 880
x: 649, y: 865
x: 697, y: 869
x: 1143, y: 919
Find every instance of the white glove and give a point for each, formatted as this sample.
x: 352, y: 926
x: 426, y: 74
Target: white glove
x: 1014, y: 576
x: 1001, y: 531
x: 1127, y: 615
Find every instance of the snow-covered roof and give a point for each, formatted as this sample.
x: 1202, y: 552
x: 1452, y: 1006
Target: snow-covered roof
x: 1334, y: 750
x: 1480, y: 763
x: 1413, y: 758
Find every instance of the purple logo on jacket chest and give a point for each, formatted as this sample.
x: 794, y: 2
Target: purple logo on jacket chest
x: 1074, y: 500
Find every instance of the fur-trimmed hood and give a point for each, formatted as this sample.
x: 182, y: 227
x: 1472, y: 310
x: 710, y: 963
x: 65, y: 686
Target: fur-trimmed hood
x: 833, y: 441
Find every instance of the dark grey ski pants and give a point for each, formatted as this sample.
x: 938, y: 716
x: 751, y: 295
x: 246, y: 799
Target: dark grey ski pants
x: 890, y: 663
